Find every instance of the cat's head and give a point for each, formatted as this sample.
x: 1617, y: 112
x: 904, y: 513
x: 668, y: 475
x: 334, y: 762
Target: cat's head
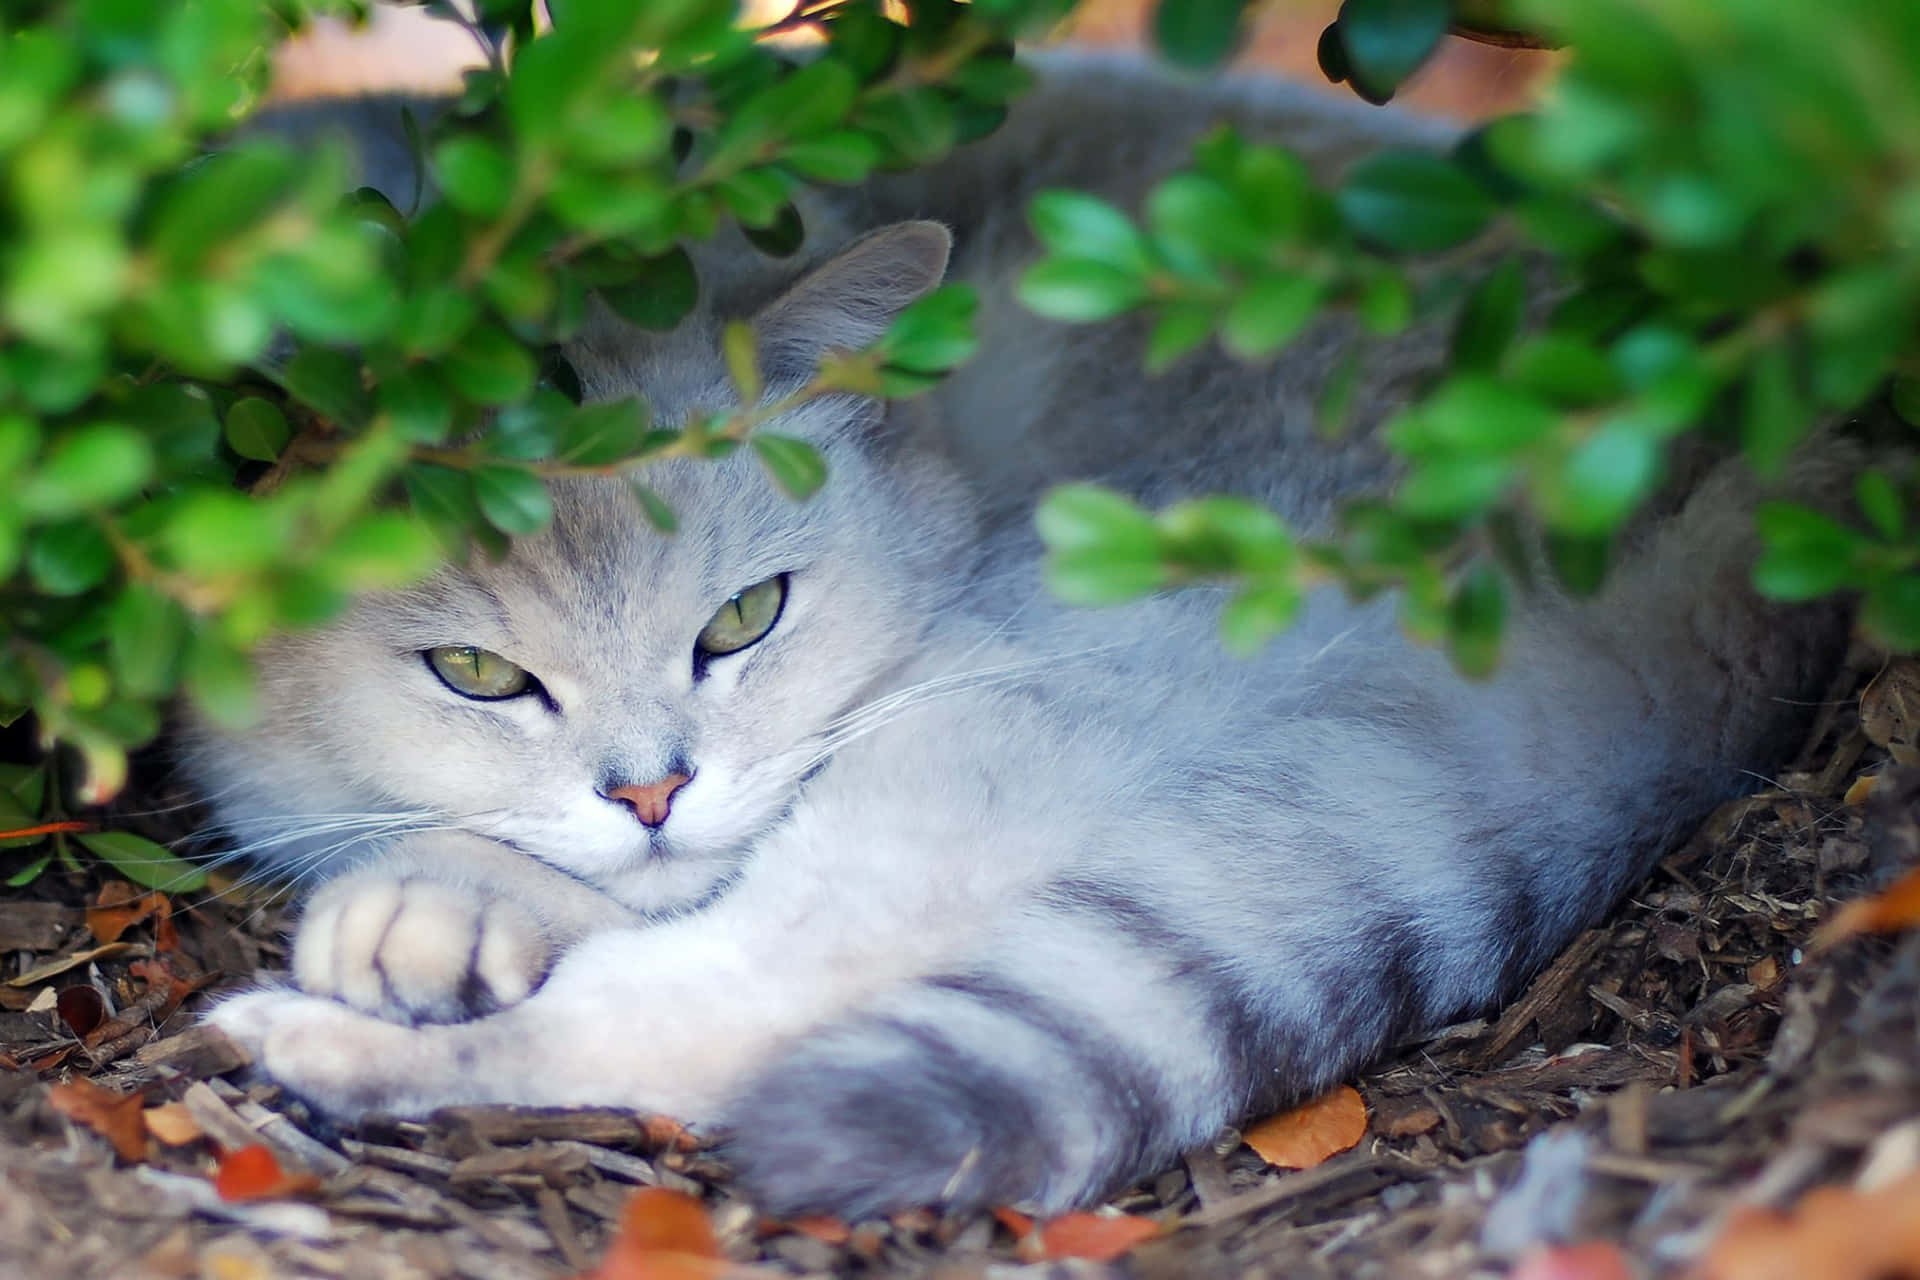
x: 630, y: 706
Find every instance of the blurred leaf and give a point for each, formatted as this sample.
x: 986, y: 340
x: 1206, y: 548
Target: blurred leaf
x: 659, y: 295
x: 1075, y: 224
x: 1413, y: 201
x: 95, y: 466
x: 795, y: 465
x: 257, y: 429
x: 513, y: 501
x: 1490, y: 319
x: 144, y: 862
x: 1269, y: 313
x: 1079, y: 289
x: 1197, y: 33
x: 1476, y: 619
x: 1385, y: 41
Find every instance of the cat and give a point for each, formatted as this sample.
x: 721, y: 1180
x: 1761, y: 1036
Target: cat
x: 823, y: 824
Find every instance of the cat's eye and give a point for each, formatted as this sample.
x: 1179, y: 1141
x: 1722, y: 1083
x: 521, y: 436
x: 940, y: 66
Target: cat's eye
x: 478, y: 673
x: 744, y: 619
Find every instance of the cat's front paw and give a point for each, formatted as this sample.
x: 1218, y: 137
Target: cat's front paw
x: 415, y: 950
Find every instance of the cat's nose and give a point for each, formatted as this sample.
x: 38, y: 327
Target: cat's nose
x: 650, y: 803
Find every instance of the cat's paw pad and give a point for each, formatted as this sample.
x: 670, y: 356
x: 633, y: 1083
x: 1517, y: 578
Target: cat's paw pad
x: 415, y: 951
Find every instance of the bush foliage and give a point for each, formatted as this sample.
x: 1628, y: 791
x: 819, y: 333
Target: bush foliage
x: 230, y: 399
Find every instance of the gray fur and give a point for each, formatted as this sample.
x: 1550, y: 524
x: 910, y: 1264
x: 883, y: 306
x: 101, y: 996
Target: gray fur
x: 1086, y: 889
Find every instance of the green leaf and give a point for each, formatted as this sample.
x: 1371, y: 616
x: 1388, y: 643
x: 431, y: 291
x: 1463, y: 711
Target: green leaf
x: 1179, y: 329
x: 414, y: 403
x: 29, y: 873
x: 1600, y: 483
x: 1256, y: 615
x: 1197, y: 33
x: 1452, y: 487
x: 660, y: 294
x: 144, y: 862
x: 257, y: 429
x: 379, y: 551
x: 1103, y: 548
x: 514, y: 501
x: 1385, y: 41
x: 1269, y: 313
x: 936, y: 333
x: 795, y: 465
x: 68, y: 558
x: 1198, y: 222
x: 1476, y: 618
x: 1564, y: 369
x: 489, y: 367
x: 93, y: 467
x: 1073, y: 224
x: 145, y: 632
x: 1805, y: 554
x: 1890, y: 614
x: 214, y: 531
x: 654, y: 507
x: 1880, y: 502
x: 739, y: 346
x: 476, y: 175
x: 328, y: 382
x: 1775, y: 416
x: 1491, y: 317
x: 1079, y: 289
x: 840, y: 156
x: 1413, y: 201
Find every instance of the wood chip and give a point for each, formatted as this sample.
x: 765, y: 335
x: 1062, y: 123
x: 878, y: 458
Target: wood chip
x: 1545, y: 991
x: 35, y: 926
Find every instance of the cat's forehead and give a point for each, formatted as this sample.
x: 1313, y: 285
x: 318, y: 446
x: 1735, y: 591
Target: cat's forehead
x: 602, y: 573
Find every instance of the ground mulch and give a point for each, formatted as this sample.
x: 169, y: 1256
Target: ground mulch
x: 1691, y: 1057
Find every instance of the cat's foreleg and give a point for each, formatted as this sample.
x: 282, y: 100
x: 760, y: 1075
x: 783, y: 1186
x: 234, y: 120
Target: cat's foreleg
x: 443, y: 927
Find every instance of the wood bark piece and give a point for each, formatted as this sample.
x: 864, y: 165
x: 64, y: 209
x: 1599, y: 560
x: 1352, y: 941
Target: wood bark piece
x: 1545, y: 991
x: 35, y: 926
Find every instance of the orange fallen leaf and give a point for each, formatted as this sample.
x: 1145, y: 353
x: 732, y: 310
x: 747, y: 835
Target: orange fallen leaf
x: 664, y: 1235
x: 254, y: 1173
x: 1893, y: 908
x: 114, y: 1116
x: 1096, y: 1237
x: 1834, y: 1233
x: 119, y: 906
x: 824, y: 1229
x: 664, y: 1133
x: 172, y: 1123
x: 1595, y: 1260
x: 1311, y: 1132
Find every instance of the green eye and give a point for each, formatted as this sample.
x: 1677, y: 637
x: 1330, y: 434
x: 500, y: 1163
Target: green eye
x: 477, y: 673
x: 744, y: 619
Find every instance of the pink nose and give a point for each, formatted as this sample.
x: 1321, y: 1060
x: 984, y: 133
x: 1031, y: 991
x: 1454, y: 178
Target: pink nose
x: 653, y: 802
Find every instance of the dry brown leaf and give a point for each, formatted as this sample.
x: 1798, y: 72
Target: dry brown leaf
x: 1860, y: 790
x: 1890, y: 708
x: 1893, y: 908
x: 664, y: 1235
x: 1311, y: 1132
x: 1595, y: 1260
x: 120, y: 905
x: 172, y: 1123
x: 1097, y: 1237
x: 254, y: 1173
x: 114, y: 1116
x: 824, y: 1229
x: 1834, y: 1233
x: 664, y: 1133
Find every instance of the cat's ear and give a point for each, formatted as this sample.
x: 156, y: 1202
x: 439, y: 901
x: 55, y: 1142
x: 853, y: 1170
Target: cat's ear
x: 851, y: 299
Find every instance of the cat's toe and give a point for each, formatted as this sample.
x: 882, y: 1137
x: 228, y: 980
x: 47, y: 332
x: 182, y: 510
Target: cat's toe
x: 341, y: 1062
x: 414, y: 951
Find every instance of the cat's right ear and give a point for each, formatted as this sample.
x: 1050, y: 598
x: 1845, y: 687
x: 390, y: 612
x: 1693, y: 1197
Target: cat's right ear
x: 851, y: 299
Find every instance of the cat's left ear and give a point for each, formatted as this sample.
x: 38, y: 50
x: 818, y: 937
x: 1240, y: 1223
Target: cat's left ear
x: 850, y: 300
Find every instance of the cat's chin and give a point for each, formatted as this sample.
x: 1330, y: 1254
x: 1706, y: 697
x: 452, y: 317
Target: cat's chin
x: 674, y: 884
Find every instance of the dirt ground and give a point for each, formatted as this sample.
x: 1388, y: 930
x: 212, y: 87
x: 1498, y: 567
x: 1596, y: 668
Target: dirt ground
x: 1689, y: 1057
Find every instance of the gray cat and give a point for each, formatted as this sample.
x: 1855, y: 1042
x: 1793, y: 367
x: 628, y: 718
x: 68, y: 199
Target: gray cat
x: 821, y: 822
